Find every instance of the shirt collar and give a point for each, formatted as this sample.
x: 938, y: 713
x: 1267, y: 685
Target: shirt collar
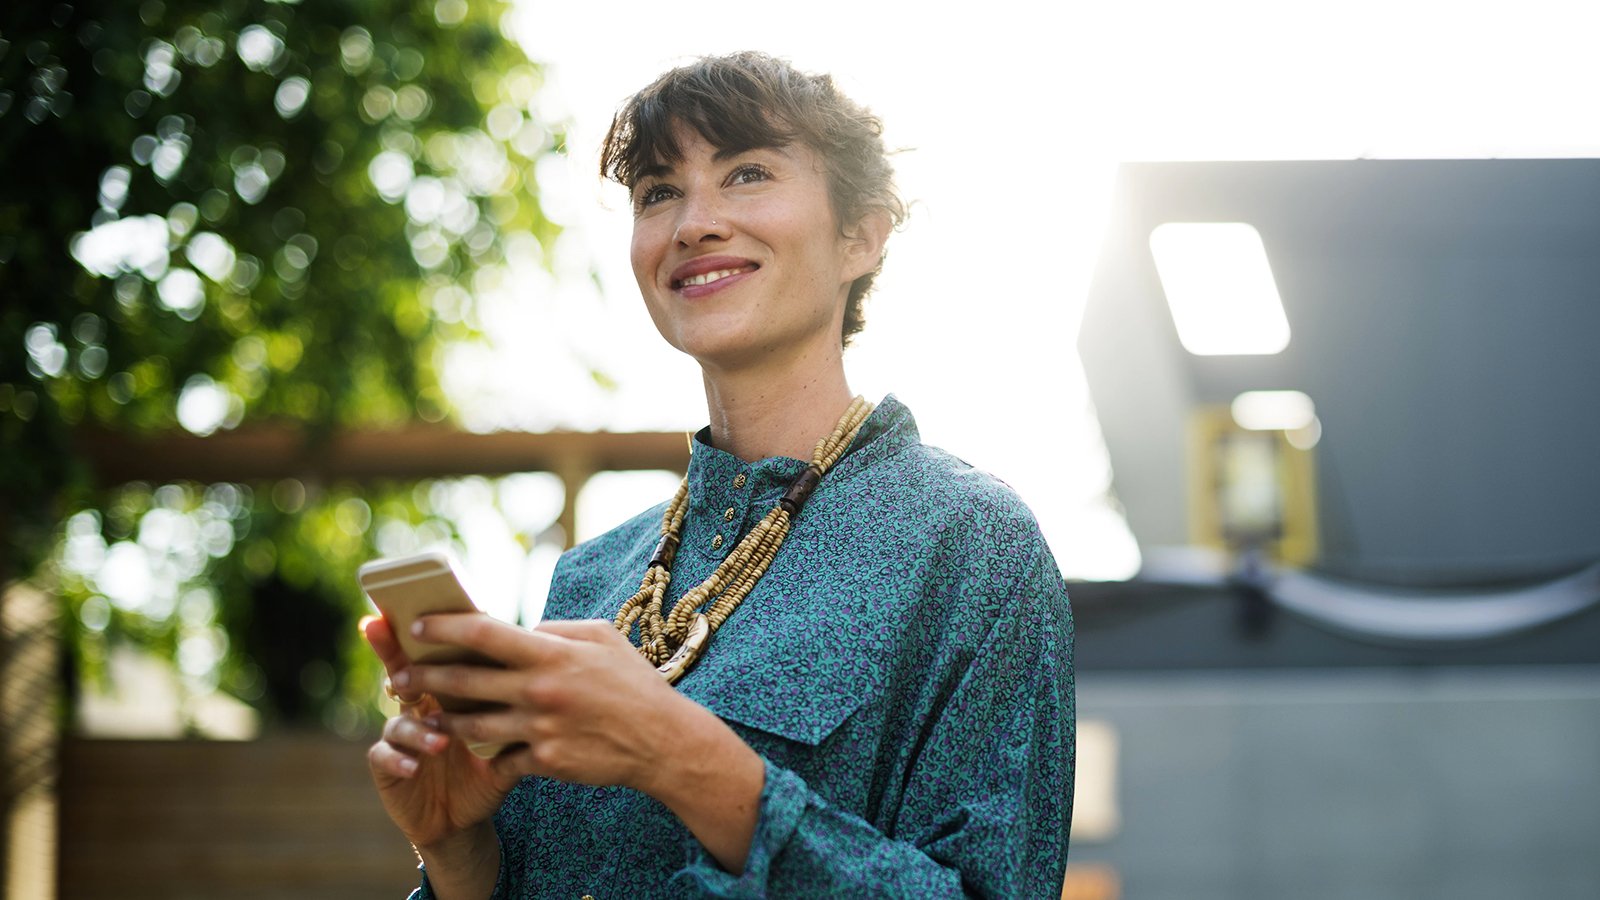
x: 713, y: 472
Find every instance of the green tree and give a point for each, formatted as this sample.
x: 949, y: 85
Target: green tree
x: 219, y: 212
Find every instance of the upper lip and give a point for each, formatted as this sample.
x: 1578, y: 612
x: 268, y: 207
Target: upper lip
x: 701, y: 265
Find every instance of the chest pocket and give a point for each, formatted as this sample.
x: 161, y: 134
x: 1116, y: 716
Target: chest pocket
x: 796, y: 677
x: 804, y: 710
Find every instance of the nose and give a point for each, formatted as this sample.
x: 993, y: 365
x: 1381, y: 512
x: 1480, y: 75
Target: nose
x: 698, y: 221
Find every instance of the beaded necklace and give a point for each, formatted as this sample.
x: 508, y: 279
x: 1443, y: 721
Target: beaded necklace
x: 675, y: 642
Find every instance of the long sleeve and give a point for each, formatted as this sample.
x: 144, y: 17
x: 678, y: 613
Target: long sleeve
x: 904, y: 668
x: 988, y: 800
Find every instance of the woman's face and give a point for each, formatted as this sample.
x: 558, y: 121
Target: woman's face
x: 739, y: 255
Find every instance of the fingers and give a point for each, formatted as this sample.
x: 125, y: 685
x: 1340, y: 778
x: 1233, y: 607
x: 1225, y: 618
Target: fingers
x: 590, y: 635
x: 387, y: 760
x: 468, y: 682
x: 405, y: 739
x: 514, y: 646
x: 380, y: 635
x: 414, y: 735
x: 511, y: 727
x: 580, y: 629
x: 509, y: 766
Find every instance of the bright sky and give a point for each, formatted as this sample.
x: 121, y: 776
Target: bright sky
x: 1014, y: 115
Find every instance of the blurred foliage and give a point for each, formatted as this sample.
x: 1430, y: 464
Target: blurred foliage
x: 251, y: 589
x: 217, y: 212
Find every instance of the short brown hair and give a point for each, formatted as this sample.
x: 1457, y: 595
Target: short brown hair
x: 749, y: 100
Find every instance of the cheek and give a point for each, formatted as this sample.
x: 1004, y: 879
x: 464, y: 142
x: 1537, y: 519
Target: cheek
x: 815, y: 231
x: 645, y: 254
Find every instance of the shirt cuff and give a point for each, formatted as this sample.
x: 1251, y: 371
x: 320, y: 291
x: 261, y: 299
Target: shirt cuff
x: 784, y: 797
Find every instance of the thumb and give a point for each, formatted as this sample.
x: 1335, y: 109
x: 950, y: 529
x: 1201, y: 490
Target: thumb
x: 586, y: 630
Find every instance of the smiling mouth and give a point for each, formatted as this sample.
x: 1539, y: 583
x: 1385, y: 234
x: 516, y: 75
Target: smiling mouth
x: 710, y: 277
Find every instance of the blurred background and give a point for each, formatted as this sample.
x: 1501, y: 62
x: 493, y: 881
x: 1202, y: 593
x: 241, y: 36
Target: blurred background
x: 1279, y: 315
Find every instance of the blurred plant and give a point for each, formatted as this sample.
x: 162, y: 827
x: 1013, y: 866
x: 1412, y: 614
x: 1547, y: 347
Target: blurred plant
x: 220, y: 212
x: 252, y: 590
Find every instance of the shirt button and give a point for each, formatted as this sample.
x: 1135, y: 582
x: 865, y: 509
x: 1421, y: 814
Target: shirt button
x: 728, y: 515
x: 716, y: 542
x: 738, y: 480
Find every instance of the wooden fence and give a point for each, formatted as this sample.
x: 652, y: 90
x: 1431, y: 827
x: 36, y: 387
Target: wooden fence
x: 273, y: 818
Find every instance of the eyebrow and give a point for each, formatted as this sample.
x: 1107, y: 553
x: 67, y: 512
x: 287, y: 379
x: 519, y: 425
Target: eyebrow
x: 657, y: 170
x: 654, y: 170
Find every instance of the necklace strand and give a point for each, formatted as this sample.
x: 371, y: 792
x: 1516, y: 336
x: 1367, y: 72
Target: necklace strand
x: 674, y: 642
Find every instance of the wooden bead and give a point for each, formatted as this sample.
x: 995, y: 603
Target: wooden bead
x: 674, y: 642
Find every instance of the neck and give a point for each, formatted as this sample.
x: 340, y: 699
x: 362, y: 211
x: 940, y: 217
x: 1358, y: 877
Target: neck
x: 755, y: 415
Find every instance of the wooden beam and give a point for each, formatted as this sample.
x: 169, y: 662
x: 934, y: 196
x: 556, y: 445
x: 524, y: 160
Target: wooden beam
x: 271, y: 452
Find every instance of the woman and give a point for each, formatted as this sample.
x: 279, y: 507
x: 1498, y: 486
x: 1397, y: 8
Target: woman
x: 868, y: 688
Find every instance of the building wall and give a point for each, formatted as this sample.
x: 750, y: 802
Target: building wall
x: 1442, y: 316
x: 1456, y: 783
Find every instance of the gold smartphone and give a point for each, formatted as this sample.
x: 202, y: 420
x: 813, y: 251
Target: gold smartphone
x: 406, y: 587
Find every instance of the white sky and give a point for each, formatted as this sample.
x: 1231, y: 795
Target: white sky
x: 1016, y: 114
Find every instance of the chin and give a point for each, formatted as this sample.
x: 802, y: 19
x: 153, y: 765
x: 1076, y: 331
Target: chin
x: 731, y: 351
x: 737, y: 341
x: 720, y: 354
x: 709, y: 340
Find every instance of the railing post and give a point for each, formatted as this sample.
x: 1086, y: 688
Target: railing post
x: 574, y: 472
x: 30, y: 710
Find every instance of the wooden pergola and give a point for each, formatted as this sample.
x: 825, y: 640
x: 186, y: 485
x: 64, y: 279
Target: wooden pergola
x: 88, y: 813
x: 272, y: 452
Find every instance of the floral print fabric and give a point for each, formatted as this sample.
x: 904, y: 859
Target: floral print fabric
x: 904, y: 668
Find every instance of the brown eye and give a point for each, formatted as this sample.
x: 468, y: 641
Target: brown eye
x: 749, y: 174
x: 654, y: 194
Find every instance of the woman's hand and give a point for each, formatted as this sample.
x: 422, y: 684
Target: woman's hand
x: 437, y: 792
x: 580, y: 701
x: 585, y: 707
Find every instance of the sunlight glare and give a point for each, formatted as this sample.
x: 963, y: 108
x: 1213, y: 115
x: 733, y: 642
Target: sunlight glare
x: 1273, y: 410
x: 1220, y: 289
x: 611, y: 498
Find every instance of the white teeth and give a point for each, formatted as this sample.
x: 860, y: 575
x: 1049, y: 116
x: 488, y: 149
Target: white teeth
x: 709, y: 277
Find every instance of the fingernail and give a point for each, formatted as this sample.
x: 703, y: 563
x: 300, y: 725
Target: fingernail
x: 416, y: 628
x: 401, y: 678
x: 433, y: 741
x: 432, y: 721
x: 408, y: 765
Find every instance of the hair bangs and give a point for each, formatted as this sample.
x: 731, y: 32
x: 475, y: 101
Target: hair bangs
x: 645, y: 134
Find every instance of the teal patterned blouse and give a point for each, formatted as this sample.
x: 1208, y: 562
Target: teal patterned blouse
x: 904, y: 668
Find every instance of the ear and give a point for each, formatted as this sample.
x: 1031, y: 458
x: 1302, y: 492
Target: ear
x: 863, y: 244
